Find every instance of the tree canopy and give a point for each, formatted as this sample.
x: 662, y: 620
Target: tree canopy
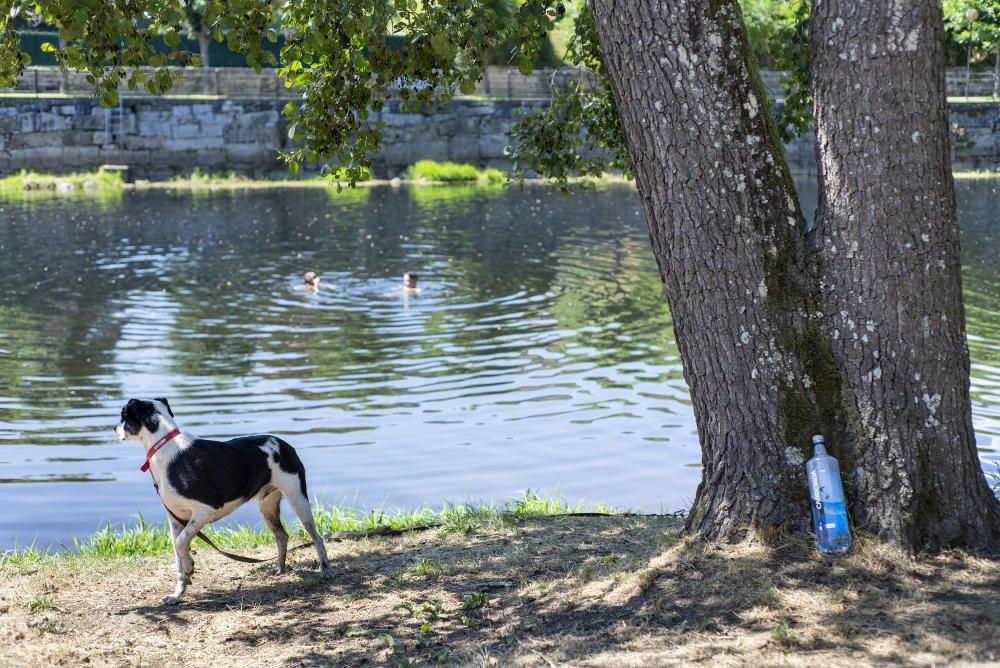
x: 337, y: 55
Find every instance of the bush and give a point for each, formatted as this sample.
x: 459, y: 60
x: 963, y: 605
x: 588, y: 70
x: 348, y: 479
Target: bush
x: 450, y: 172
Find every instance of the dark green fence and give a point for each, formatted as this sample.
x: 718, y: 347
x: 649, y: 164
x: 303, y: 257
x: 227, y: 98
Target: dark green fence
x: 219, y: 54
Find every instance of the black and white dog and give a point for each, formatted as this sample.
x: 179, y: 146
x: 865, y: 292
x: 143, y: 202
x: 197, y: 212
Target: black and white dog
x: 201, y: 481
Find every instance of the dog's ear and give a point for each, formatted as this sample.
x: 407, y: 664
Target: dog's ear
x: 163, y: 400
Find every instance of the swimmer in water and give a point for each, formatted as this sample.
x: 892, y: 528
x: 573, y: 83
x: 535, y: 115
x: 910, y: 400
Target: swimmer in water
x: 311, y: 281
x: 410, y: 282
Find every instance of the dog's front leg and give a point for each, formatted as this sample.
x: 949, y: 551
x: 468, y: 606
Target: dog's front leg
x: 182, y: 550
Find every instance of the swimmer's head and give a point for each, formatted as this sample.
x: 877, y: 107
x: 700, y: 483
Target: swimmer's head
x: 311, y: 279
x: 409, y: 280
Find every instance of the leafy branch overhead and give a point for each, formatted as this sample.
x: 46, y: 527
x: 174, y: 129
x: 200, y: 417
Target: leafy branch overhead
x: 579, y: 133
x: 348, y: 58
x: 336, y: 54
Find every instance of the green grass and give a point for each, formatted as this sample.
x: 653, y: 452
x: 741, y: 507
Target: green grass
x: 976, y: 174
x: 973, y: 98
x: 451, y: 172
x: 41, y: 603
x: 144, y: 538
x: 197, y: 178
x: 89, y: 181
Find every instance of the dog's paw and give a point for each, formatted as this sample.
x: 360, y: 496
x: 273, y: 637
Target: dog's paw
x: 170, y: 600
x: 279, y: 570
x: 326, y: 572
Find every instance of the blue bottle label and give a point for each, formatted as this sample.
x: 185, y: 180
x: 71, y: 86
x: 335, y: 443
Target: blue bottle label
x: 828, y: 507
x: 830, y: 520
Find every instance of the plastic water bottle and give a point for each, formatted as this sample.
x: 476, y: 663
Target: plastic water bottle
x: 826, y: 491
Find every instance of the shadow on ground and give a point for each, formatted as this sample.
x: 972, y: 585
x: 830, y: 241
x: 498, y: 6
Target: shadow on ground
x: 608, y: 592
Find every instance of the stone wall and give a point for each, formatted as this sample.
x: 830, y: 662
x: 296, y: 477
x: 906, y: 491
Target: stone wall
x: 160, y: 138
x: 235, y: 82
x: 497, y: 82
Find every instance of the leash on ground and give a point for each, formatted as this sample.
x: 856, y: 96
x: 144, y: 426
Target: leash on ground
x: 338, y: 536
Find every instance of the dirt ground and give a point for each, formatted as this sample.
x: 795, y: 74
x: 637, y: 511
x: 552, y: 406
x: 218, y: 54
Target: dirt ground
x: 580, y: 591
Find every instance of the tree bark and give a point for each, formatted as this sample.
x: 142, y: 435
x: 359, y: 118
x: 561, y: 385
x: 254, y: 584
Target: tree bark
x: 204, y: 34
x: 854, y: 330
x: 727, y: 233
x: 887, y: 258
x: 996, y: 73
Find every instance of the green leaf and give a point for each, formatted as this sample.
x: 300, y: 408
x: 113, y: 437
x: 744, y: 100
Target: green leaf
x: 47, y: 47
x: 293, y: 168
x: 439, y: 43
x: 467, y: 87
x: 524, y: 66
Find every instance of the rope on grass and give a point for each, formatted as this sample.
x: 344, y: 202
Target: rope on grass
x: 339, y: 536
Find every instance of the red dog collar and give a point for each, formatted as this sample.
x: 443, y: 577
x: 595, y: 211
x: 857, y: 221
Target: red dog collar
x: 156, y: 446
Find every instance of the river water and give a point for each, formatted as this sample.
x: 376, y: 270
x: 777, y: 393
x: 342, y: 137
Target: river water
x: 537, y: 355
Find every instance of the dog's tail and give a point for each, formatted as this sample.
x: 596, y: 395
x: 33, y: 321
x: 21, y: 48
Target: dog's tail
x: 290, y: 462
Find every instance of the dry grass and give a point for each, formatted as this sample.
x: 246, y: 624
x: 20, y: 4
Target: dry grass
x: 546, y: 591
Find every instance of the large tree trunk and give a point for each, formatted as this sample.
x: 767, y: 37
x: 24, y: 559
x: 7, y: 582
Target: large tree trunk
x: 888, y: 260
x: 765, y: 323
x: 727, y: 233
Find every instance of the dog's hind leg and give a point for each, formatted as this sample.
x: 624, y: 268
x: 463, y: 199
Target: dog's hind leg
x: 176, y: 526
x: 182, y: 548
x: 270, y: 508
x: 300, y: 505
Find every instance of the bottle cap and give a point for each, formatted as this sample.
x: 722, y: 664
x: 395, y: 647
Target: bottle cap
x: 818, y: 439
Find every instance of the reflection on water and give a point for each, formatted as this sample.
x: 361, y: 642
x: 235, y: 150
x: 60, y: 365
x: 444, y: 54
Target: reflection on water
x: 538, y: 353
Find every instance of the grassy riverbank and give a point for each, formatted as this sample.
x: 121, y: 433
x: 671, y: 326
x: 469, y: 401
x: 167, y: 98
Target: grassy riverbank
x: 513, y: 588
x: 144, y: 538
x: 95, y: 182
x: 422, y: 173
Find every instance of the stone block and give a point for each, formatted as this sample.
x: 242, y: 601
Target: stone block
x: 78, y: 138
x: 27, y: 122
x: 463, y: 149
x: 152, y: 124
x: 489, y: 147
x: 36, y: 140
x: 137, y: 142
x: 37, y: 158
x: 79, y: 157
x: 10, y: 124
x: 88, y: 122
x: 126, y: 157
x: 185, y: 144
x: 247, y: 152
x: 242, y: 134
x: 185, y: 130
x: 213, y: 158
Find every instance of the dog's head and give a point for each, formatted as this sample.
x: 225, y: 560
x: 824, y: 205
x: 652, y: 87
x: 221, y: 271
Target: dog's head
x: 143, y: 417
